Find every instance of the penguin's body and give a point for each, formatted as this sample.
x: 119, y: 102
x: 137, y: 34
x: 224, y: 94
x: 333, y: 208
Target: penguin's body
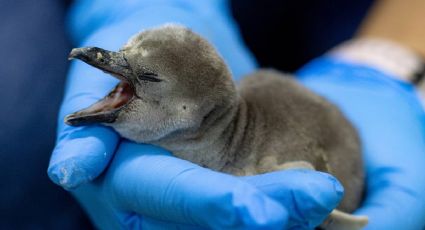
x: 176, y: 92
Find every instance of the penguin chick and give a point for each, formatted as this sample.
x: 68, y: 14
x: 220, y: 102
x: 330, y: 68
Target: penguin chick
x: 175, y: 91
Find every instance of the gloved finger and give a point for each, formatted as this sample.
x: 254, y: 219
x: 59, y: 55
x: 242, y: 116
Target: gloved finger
x: 82, y: 153
x: 148, y: 181
x: 308, y: 195
x: 97, y: 204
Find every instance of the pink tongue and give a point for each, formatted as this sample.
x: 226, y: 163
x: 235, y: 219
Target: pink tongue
x: 118, y: 97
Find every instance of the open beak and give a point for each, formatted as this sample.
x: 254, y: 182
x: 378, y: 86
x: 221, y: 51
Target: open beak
x: 107, y: 109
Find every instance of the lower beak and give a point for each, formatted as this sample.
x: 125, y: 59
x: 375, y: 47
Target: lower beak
x: 105, y: 110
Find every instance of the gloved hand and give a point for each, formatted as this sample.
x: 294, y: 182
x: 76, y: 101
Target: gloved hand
x: 145, y: 186
x: 391, y: 122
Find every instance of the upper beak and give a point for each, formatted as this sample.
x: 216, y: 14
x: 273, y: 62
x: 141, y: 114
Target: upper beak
x: 111, y: 62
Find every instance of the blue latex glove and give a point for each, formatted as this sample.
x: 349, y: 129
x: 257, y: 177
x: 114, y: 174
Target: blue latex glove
x: 145, y: 186
x: 391, y: 122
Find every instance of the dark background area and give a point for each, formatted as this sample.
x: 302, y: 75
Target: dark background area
x: 287, y: 34
x: 33, y: 65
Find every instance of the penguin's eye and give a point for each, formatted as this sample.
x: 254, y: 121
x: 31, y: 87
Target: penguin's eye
x: 148, y: 76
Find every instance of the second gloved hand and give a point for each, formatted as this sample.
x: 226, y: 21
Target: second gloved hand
x: 391, y: 123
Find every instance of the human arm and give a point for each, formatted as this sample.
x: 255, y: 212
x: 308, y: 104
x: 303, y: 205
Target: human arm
x: 399, y: 21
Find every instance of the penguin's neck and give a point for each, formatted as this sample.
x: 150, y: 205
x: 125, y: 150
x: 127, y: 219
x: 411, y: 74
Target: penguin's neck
x: 223, y: 139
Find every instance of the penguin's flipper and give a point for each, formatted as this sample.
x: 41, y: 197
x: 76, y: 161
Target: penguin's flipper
x: 295, y: 165
x: 339, y: 220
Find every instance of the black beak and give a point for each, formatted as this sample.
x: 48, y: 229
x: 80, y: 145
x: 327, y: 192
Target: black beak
x: 85, y: 118
x: 107, y: 109
x: 110, y: 62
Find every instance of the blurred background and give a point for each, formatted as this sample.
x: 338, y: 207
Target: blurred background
x: 34, y: 46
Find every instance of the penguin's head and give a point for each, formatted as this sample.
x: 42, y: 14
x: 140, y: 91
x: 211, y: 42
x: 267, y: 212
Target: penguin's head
x: 171, y: 79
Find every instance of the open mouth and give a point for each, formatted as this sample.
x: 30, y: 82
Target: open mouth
x: 105, y: 110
